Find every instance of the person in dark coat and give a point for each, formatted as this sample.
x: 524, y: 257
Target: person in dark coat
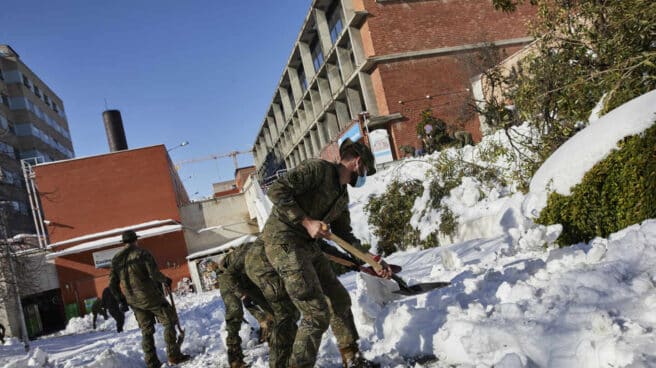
x: 2, y: 334
x: 136, y: 270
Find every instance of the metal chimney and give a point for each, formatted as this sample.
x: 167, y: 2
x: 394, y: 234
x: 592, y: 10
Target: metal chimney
x: 114, y: 130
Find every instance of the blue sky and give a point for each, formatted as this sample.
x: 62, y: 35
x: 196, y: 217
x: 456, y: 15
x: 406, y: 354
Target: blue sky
x: 197, y: 71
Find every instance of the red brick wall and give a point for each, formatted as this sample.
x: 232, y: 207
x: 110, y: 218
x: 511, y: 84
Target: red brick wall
x: 400, y: 26
x: 84, y: 279
x: 446, y: 79
x: 99, y: 193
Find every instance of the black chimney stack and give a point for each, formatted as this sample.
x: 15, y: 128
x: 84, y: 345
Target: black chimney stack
x: 114, y: 129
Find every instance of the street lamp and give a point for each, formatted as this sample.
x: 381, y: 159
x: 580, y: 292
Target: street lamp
x: 182, y: 144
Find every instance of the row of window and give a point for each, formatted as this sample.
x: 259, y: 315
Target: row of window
x: 42, y: 96
x: 29, y: 129
x: 17, y: 103
x: 10, y: 177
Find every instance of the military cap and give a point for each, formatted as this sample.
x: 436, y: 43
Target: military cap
x: 129, y: 236
x: 361, y: 150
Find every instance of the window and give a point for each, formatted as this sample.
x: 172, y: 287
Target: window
x: 2, y: 76
x: 4, y: 99
x: 335, y: 25
x: 317, y: 54
x: 37, y: 92
x: 54, y: 107
x: 46, y: 99
x: 26, y: 81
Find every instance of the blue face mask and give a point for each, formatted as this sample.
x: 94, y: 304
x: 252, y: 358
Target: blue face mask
x: 358, y: 180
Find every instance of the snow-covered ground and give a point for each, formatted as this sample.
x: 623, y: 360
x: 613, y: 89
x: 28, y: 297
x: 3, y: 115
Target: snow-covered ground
x: 515, y: 299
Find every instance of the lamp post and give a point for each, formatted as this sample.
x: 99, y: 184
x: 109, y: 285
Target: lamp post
x: 182, y: 144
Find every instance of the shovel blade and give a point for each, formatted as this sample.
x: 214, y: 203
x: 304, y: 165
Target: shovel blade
x: 421, y: 288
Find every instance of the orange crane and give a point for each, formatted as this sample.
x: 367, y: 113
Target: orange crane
x: 232, y: 154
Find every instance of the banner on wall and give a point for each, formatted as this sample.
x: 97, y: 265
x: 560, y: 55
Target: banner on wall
x: 380, y: 146
x: 353, y: 133
x: 103, y: 259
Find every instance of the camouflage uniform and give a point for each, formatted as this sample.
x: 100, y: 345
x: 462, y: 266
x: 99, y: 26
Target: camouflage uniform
x: 115, y: 308
x: 235, y: 286
x: 97, y: 308
x: 285, y: 314
x: 135, y: 268
x: 312, y: 189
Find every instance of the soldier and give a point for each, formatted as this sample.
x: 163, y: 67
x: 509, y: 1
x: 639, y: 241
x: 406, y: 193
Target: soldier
x: 236, y: 286
x: 97, y: 308
x: 135, y: 268
x: 308, y: 200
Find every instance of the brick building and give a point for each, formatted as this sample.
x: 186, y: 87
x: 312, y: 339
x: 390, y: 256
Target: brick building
x: 87, y: 203
x: 390, y: 58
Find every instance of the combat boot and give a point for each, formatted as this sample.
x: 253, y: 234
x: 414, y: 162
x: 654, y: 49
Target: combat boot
x: 352, y: 358
x: 179, y: 358
x: 238, y: 364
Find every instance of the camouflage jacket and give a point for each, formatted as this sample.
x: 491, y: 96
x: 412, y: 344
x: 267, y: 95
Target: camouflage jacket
x: 311, y: 189
x: 135, y: 268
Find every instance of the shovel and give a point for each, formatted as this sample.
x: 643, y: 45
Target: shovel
x: 404, y: 289
x: 181, y: 331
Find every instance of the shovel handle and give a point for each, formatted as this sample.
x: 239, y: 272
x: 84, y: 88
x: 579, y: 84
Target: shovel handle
x: 363, y: 256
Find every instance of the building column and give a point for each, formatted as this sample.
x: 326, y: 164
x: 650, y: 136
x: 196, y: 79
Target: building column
x: 306, y: 60
x: 286, y: 102
x: 323, y: 30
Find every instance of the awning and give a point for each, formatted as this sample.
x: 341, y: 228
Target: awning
x: 113, y: 240
x: 107, y: 233
x: 223, y: 247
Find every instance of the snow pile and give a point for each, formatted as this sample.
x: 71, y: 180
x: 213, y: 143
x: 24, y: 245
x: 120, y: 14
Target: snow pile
x: 515, y: 300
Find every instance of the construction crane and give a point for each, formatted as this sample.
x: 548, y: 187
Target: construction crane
x: 232, y: 154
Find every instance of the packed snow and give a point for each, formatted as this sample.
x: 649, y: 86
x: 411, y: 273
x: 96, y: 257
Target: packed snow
x: 515, y: 299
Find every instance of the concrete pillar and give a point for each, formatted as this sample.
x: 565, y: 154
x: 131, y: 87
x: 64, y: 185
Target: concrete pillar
x: 332, y: 127
x: 345, y: 63
x: 324, y: 91
x: 334, y: 78
x: 267, y: 137
x: 324, y: 31
x: 278, y: 115
x: 309, y: 110
x: 306, y: 59
x: 297, y: 89
x: 286, y: 102
x: 309, y: 149
x: 317, y: 104
x: 354, y: 100
x: 343, y: 115
x: 314, y: 138
x: 271, y: 122
x: 348, y: 9
x: 368, y: 94
x: 322, y: 133
x: 356, y: 45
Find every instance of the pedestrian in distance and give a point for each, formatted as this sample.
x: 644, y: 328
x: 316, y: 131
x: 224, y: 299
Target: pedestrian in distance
x: 310, y: 202
x: 135, y: 269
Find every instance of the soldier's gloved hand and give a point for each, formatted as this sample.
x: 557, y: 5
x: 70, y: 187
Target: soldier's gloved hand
x: 124, y: 307
x: 386, y: 271
x: 168, y: 282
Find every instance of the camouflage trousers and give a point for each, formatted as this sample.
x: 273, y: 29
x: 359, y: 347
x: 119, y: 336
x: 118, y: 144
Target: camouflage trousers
x: 319, y: 296
x: 146, y: 320
x: 285, y: 314
x: 234, y: 288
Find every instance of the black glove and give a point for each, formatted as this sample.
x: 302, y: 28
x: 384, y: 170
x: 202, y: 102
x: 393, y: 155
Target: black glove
x: 168, y: 282
x: 124, y: 307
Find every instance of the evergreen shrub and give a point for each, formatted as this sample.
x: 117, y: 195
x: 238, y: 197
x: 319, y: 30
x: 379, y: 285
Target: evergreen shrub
x: 617, y: 192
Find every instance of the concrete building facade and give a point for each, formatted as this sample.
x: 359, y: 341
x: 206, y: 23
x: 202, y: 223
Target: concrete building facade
x: 33, y: 125
x: 389, y: 58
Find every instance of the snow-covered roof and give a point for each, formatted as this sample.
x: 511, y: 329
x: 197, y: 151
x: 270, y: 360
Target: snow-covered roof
x: 107, y: 233
x: 221, y: 248
x: 114, y: 240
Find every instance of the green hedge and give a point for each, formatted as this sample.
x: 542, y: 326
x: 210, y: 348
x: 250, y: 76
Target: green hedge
x: 617, y: 192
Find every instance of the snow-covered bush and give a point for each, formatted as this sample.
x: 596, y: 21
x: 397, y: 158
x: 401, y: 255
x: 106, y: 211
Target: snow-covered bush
x: 617, y: 192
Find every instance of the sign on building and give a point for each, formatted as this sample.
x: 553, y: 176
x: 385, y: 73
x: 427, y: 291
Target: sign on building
x: 353, y: 133
x: 103, y: 259
x: 380, y: 146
